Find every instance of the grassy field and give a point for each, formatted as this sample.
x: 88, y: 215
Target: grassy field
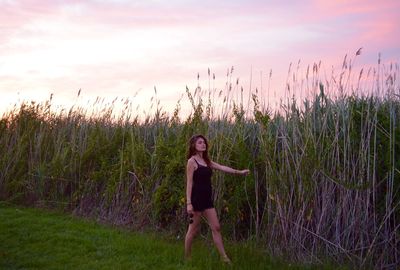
x: 40, y: 239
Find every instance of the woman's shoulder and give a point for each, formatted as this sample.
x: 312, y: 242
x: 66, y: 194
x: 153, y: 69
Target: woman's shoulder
x: 191, y: 164
x: 191, y: 161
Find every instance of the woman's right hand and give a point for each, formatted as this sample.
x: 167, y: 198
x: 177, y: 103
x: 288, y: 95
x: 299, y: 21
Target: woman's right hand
x: 189, y: 208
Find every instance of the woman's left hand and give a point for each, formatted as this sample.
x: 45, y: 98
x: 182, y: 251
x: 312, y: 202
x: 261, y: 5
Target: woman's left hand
x: 244, y: 172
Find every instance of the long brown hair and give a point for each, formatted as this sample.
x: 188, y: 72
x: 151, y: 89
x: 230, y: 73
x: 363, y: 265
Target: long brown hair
x: 192, y: 148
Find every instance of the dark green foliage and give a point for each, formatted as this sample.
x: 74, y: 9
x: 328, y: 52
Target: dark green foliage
x: 324, y: 179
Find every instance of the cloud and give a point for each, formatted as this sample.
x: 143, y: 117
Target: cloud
x: 119, y: 46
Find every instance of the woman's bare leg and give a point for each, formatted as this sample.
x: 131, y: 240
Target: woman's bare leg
x: 211, y: 216
x: 191, y: 233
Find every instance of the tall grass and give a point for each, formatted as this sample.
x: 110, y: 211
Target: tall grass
x: 324, y: 177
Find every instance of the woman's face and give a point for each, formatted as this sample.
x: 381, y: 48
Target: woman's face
x: 200, y: 145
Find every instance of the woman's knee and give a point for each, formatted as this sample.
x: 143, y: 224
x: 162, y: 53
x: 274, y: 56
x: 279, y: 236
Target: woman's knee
x: 216, y: 228
x: 193, y: 232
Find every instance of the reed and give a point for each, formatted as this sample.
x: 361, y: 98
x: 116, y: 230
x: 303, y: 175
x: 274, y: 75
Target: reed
x: 324, y: 182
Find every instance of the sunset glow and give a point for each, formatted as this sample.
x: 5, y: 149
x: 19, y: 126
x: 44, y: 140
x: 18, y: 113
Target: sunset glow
x: 126, y: 48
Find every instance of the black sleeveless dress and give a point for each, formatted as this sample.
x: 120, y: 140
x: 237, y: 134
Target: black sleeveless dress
x: 201, y: 190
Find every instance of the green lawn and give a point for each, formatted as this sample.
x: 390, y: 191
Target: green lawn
x: 39, y: 239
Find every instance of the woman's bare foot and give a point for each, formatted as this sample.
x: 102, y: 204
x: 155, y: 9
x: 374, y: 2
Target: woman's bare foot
x: 226, y: 260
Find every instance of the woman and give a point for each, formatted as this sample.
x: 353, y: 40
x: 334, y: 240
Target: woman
x: 199, y: 193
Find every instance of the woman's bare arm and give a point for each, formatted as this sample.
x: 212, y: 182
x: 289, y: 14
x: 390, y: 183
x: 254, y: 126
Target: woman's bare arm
x: 190, y: 167
x: 227, y: 169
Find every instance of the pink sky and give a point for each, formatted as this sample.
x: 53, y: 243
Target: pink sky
x: 119, y: 48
